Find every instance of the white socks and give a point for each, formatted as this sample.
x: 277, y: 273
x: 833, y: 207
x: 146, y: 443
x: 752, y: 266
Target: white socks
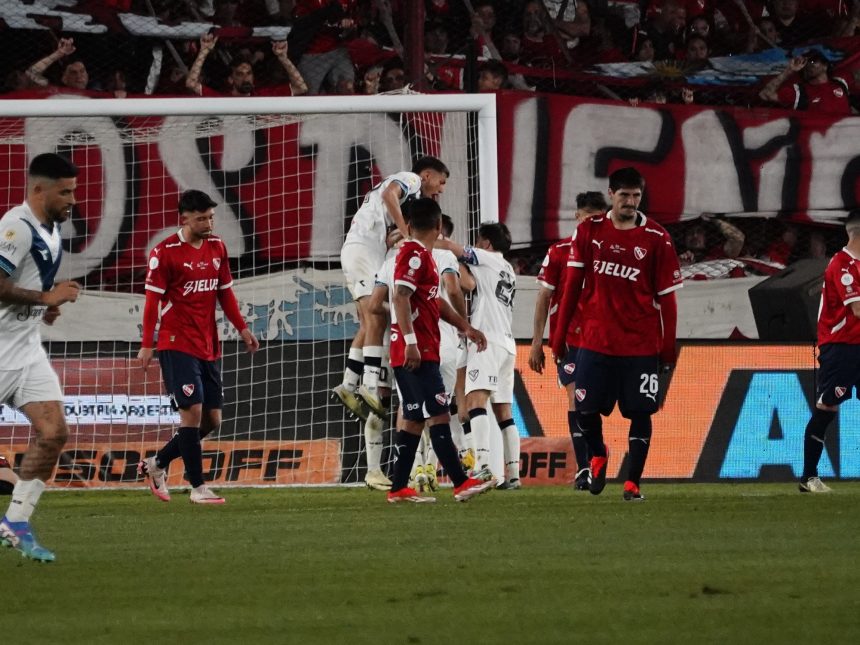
x: 511, y: 444
x: 25, y: 496
x: 373, y: 443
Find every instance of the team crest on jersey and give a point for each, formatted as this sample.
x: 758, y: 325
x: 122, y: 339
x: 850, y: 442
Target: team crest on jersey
x: 188, y: 389
x: 153, y: 263
x: 217, y: 263
x: 580, y: 394
x: 846, y: 279
x: 839, y: 391
x: 473, y: 375
x: 569, y: 367
x: 639, y: 253
x: 415, y: 262
x: 442, y: 398
x: 9, y: 234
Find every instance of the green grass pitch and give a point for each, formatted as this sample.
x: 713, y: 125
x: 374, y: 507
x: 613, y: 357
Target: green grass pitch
x: 718, y: 563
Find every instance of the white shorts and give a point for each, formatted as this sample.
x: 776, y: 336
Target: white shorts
x: 462, y: 354
x: 35, y: 382
x: 492, y: 370
x: 360, y: 259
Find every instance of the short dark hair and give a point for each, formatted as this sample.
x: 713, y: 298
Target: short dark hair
x: 592, y: 199
x: 497, y: 234
x: 626, y: 178
x: 430, y: 163
x: 52, y: 166
x: 424, y: 214
x: 495, y: 67
x: 447, y: 225
x: 195, y: 201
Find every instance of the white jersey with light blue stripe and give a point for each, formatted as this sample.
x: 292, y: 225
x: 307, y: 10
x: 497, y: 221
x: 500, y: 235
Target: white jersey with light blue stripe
x: 372, y: 219
x: 30, y: 256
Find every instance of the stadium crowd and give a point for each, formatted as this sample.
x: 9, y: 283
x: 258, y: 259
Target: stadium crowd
x: 120, y: 48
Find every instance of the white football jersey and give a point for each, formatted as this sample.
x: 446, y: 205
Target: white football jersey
x: 446, y: 262
x: 372, y: 219
x: 493, y: 303
x: 30, y: 257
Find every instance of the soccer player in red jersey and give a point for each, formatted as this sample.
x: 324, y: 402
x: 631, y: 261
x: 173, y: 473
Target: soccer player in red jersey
x: 415, y: 339
x: 550, y: 281
x: 624, y: 270
x: 839, y: 350
x: 188, y: 273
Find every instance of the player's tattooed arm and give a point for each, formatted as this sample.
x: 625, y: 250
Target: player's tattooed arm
x: 62, y: 293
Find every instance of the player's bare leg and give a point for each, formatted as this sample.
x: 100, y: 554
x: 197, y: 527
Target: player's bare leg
x: 51, y: 432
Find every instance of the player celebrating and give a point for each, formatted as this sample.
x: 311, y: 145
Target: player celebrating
x: 839, y: 350
x: 624, y: 269
x: 363, y: 253
x: 415, y: 357
x: 188, y: 273
x: 549, y: 279
x: 30, y: 252
x: 490, y: 374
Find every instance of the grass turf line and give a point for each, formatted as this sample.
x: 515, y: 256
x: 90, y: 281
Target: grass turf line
x: 693, y: 564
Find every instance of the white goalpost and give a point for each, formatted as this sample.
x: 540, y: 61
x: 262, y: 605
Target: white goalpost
x: 287, y: 173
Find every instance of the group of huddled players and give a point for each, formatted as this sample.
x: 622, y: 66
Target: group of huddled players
x: 408, y: 278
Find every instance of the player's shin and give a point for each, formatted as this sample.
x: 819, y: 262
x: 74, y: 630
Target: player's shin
x: 446, y: 452
x: 580, y: 446
x: 511, y: 449
x: 373, y: 441
x: 480, y: 424
x: 591, y: 425
x: 192, y: 454
x: 639, y: 441
x: 405, y: 446
x: 372, y: 367
x: 354, y: 368
x: 813, y: 440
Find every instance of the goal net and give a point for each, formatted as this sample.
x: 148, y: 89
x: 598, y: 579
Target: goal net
x: 288, y: 174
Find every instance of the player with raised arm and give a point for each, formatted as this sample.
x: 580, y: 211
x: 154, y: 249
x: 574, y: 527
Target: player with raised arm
x: 490, y: 374
x: 839, y: 350
x: 187, y: 274
x: 550, y: 281
x: 415, y: 357
x: 624, y: 269
x: 362, y: 254
x: 30, y: 253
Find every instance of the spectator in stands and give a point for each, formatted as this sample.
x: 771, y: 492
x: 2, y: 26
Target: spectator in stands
x: 817, y: 247
x: 74, y: 73
x: 849, y: 25
x: 393, y: 76
x: 765, y: 36
x: 240, y: 82
x: 16, y: 80
x: 369, y: 83
x: 794, y: 27
x: 697, y: 51
x: 642, y: 48
x: 493, y: 76
x: 818, y: 91
x: 574, y: 23
x: 326, y: 26
x: 666, y: 29
x: 436, y: 38
x: 697, y: 246
x: 783, y: 250
x: 539, y: 48
x: 483, y: 24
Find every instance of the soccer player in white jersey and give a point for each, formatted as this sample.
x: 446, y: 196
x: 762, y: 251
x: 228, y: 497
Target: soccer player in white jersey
x: 490, y: 374
x: 187, y: 274
x: 30, y: 252
x: 363, y: 253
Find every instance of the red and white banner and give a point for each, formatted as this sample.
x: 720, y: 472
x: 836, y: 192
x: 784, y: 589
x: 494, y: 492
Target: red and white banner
x: 288, y: 189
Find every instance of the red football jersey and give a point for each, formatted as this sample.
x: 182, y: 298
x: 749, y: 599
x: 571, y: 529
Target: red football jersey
x: 551, y: 276
x: 836, y: 322
x: 414, y: 268
x: 830, y: 97
x: 625, y: 272
x: 188, y: 280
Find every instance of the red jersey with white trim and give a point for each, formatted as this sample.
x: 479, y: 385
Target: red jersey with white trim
x: 189, y: 280
x: 625, y: 271
x: 831, y: 97
x: 551, y: 276
x: 415, y: 269
x: 836, y: 322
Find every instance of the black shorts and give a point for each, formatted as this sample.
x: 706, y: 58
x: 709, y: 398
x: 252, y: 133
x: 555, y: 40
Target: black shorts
x: 422, y: 392
x: 839, y: 373
x: 602, y: 380
x: 567, y: 366
x: 190, y: 380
